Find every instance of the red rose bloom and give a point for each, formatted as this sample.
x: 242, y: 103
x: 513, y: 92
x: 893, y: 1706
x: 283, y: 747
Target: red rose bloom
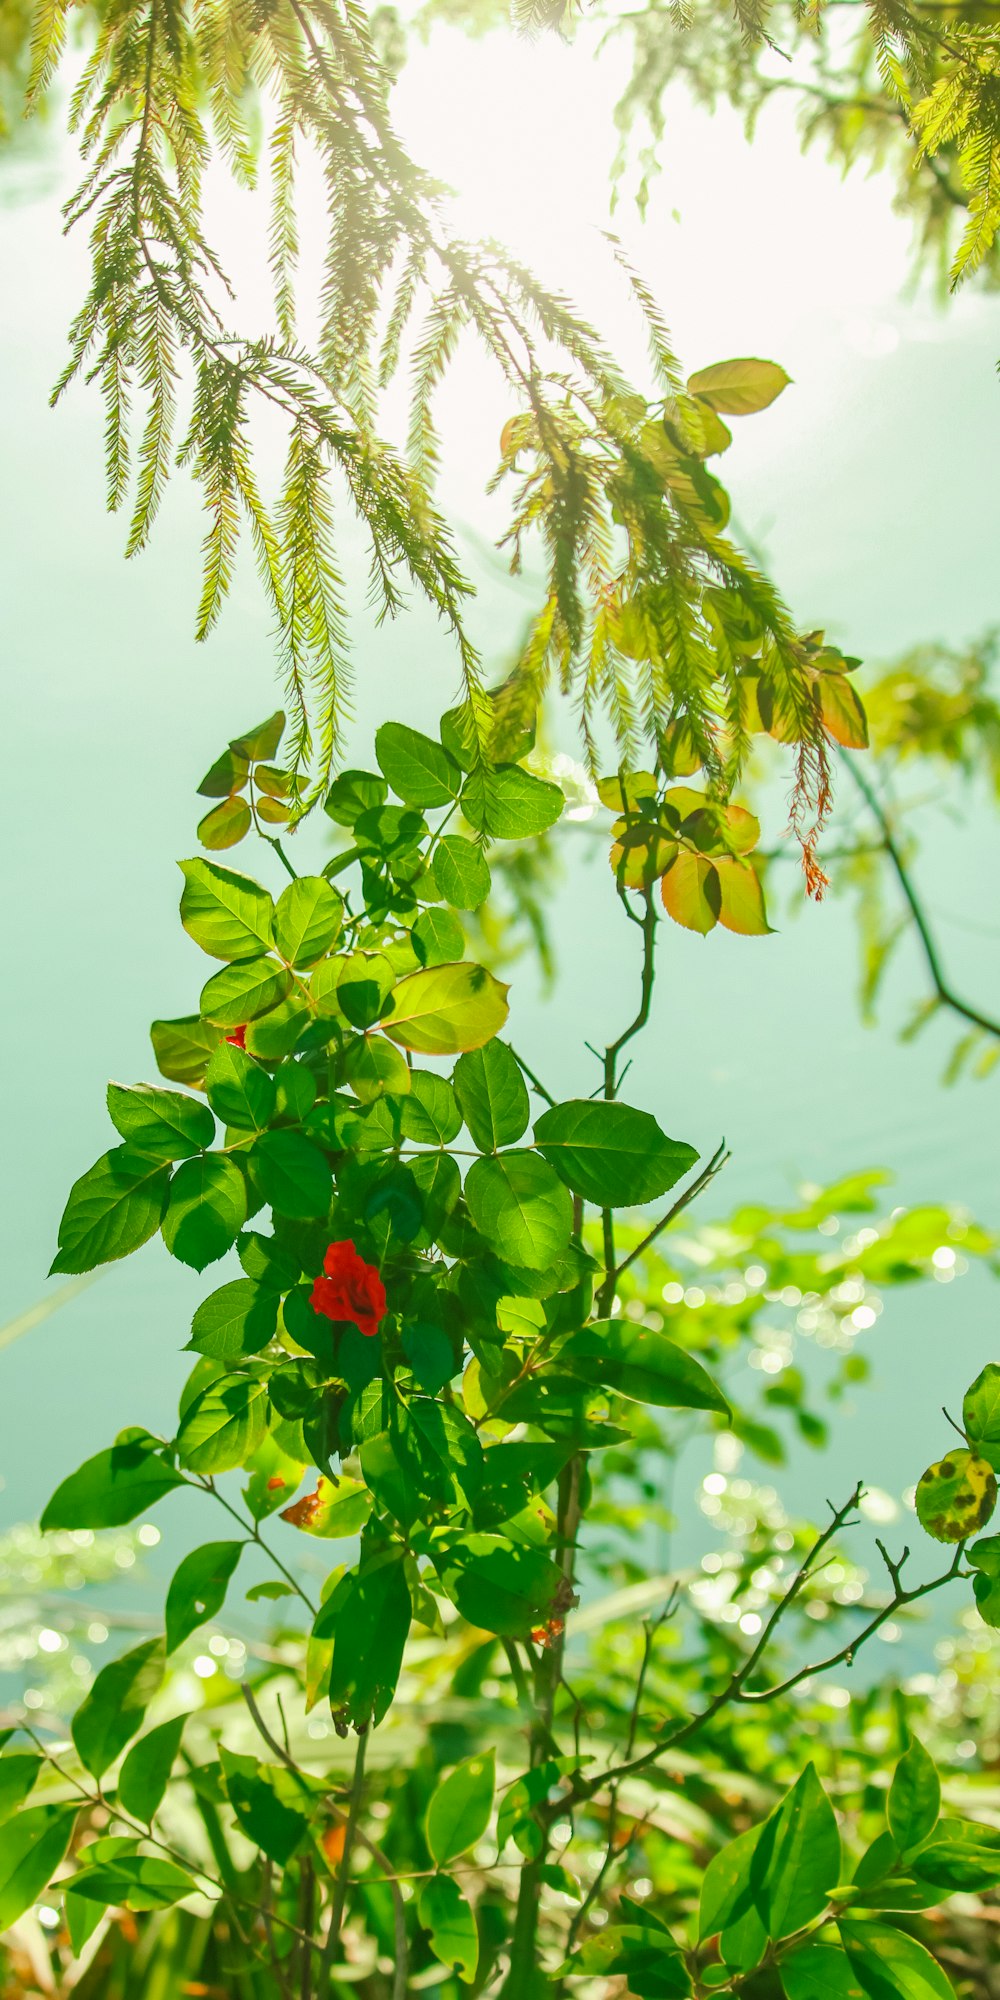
x: 351, y: 1289
x: 238, y: 1036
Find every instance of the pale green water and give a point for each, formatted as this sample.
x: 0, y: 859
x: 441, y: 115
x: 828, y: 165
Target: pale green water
x: 876, y: 487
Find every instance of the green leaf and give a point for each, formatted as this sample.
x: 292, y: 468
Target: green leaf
x: 610, y: 1153
x: 162, y: 1124
x: 145, y: 1773
x: 240, y: 992
x: 236, y: 1321
x: 264, y: 1817
x: 498, y: 1586
x: 985, y: 1558
x: 956, y: 1497
x: 374, y: 1069
x: 819, y: 1972
x: 460, y: 1808
x: 112, y: 1488
x: 292, y: 1175
x: 509, y: 803
x: 227, y: 914
x: 444, y: 1009
x: 437, y: 937
x: 307, y: 920
x: 134, y: 1881
x: 226, y: 824
x: 239, y: 1091
x: 420, y: 771
x: 113, y: 1709
x: 642, y: 1955
x: 797, y: 1859
x: 32, y: 1847
x: 182, y: 1047
x: 429, y: 1114
x: 228, y: 774
x: 206, y: 1209
x: 519, y: 1204
x: 353, y: 793
x: 492, y: 1095
x: 914, y: 1798
x: 18, y: 1771
x: 981, y: 1414
x: 275, y: 1035
x: 951, y: 1865
x: 364, y: 982
x: 444, y: 1913
x: 368, y: 1614
x: 890, y: 1965
x: 641, y: 1364
x: 460, y: 872
x: 198, y: 1589
x: 726, y: 1890
x: 429, y: 1353
x: 739, y: 388
x: 112, y: 1209
x: 223, y: 1425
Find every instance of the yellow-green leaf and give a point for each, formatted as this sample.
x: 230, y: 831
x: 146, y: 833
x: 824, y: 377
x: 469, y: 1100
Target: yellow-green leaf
x: 739, y: 388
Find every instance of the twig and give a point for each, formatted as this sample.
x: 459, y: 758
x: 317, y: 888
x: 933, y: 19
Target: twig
x: 944, y: 992
x: 340, y: 1893
x: 715, y: 1165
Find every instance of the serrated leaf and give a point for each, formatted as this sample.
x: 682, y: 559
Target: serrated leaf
x: 162, y: 1124
x: 228, y: 915
x: 521, y: 1207
x: 112, y: 1210
x: 446, y: 1009
x: 611, y: 1154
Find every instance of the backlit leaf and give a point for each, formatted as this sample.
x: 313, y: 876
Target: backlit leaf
x: 292, y: 1174
x: 509, y: 803
x: 461, y: 872
x: 445, y: 1009
x: 112, y: 1711
x: 145, y: 1773
x: 890, y: 1965
x: 492, y: 1096
x: 224, y: 1425
x: 741, y: 898
x: 691, y: 892
x: 460, y: 1808
x: 32, y: 1847
x: 739, y: 388
x: 307, y: 920
x: 198, y: 1588
x: 956, y: 1497
x: 242, y: 991
x: 914, y: 1797
x: 182, y: 1048
x: 228, y: 915
x: 444, y: 1913
x: 522, y: 1208
x: 226, y: 824
x: 981, y: 1414
x: 419, y: 770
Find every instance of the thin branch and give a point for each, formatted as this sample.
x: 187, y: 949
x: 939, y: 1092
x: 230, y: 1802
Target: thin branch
x: 708, y: 1173
x: 945, y: 993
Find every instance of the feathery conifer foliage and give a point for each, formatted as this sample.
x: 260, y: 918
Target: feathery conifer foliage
x: 650, y: 616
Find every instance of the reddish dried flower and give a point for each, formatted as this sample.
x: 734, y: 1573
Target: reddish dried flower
x: 303, y: 1512
x: 349, y: 1290
x: 238, y: 1036
x: 547, y: 1634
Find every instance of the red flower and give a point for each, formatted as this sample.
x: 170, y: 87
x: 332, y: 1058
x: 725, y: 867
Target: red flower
x: 350, y: 1290
x: 238, y: 1036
